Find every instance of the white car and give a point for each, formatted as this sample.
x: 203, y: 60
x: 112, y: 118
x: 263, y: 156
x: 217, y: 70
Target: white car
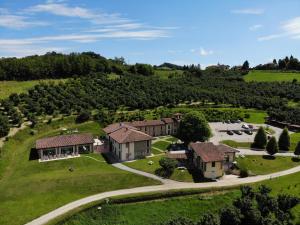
x: 245, y: 126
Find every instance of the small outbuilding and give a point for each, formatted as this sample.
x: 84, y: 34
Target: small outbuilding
x: 64, y: 146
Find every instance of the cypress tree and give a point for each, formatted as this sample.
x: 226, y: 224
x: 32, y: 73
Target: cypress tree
x: 272, y: 146
x: 260, y: 139
x: 297, y: 150
x: 284, y: 142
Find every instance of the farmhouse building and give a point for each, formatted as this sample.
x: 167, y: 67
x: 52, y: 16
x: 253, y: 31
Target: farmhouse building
x: 64, y: 146
x: 212, y: 160
x: 132, y: 140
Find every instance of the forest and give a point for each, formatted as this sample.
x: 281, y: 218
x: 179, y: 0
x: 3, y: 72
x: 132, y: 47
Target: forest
x: 288, y: 64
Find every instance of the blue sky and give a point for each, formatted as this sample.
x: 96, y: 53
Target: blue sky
x: 156, y: 31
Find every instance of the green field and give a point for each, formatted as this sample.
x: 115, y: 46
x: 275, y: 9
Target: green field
x: 166, y: 73
x: 162, y: 145
x: 270, y: 76
x: 143, y: 165
x: 9, y: 87
x: 260, y: 165
x: 29, y: 189
x: 236, y: 144
x: 158, y: 211
x: 295, y: 138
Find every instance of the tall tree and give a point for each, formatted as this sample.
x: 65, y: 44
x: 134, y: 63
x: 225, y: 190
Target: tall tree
x: 4, y: 126
x: 260, y: 139
x: 272, y: 146
x: 297, y: 150
x: 245, y: 65
x: 194, y: 127
x: 284, y: 141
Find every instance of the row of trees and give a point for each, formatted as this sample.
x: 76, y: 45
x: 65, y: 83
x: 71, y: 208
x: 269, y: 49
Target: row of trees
x: 252, y: 208
x: 287, y: 63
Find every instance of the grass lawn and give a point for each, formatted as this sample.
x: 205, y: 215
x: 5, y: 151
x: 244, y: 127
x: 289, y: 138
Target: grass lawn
x: 269, y: 76
x: 164, y: 74
x: 154, y: 212
x: 29, y: 189
x: 188, y: 206
x: 265, y: 165
x: 257, y: 117
x: 162, y: 145
x: 179, y: 175
x: 9, y: 87
x: 295, y: 138
x: 235, y: 144
x: 172, y: 139
x: 156, y: 151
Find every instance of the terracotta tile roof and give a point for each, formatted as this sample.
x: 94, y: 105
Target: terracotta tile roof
x: 207, y: 151
x: 147, y: 123
x: 177, y: 155
x: 168, y: 120
x: 115, y: 126
x: 125, y: 135
x: 226, y: 149
x: 64, y: 140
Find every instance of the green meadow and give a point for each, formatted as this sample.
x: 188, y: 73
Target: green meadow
x: 270, y: 76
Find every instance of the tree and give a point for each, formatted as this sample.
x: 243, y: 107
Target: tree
x: 83, y: 117
x: 168, y: 164
x: 4, y: 126
x: 297, y: 149
x: 179, y: 221
x: 230, y: 216
x: 284, y: 142
x: 260, y: 139
x: 272, y: 146
x: 194, y: 127
x: 245, y: 65
x: 209, y: 219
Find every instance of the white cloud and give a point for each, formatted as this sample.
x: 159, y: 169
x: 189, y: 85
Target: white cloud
x: 202, y: 51
x: 249, y: 11
x: 255, y: 27
x: 62, y: 9
x: 18, y: 22
x: 289, y: 28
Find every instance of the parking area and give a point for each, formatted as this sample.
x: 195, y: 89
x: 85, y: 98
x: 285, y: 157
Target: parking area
x: 219, y: 132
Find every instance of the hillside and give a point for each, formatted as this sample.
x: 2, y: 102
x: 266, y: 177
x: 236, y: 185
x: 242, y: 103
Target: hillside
x: 271, y: 76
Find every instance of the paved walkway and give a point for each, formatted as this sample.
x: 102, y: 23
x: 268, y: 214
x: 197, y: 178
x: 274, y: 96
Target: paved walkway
x: 227, y: 182
x: 254, y: 152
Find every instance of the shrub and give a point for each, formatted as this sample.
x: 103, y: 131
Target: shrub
x: 284, y: 141
x: 272, y: 146
x: 83, y: 117
x: 167, y: 167
x: 244, y: 173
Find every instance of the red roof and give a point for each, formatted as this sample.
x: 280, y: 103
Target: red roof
x: 126, y: 135
x: 207, y: 151
x: 64, y: 140
x: 115, y: 126
x: 168, y: 120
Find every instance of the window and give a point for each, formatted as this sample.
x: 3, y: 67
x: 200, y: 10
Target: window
x: 127, y: 145
x: 148, y: 144
x: 213, y: 164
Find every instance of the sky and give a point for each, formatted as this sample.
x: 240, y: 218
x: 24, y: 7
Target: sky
x: 176, y: 31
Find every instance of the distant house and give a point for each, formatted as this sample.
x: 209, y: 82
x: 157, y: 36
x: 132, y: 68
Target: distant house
x: 132, y: 140
x: 64, y: 146
x: 127, y: 142
x: 212, y: 160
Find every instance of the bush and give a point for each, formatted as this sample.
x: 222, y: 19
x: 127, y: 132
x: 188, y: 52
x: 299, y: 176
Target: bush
x: 244, y: 173
x: 260, y: 139
x: 4, y: 126
x: 167, y: 167
x: 272, y: 146
x: 83, y: 117
x: 284, y: 142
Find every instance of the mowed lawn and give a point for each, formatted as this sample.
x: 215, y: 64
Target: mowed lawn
x: 9, y: 87
x: 29, y: 189
x: 260, y: 165
x: 154, y: 212
x: 236, y: 144
x: 295, y: 138
x: 270, y: 76
x: 144, y: 165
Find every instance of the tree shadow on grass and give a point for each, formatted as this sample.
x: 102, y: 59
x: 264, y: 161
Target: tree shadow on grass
x: 296, y: 159
x: 269, y: 157
x: 197, y: 175
x: 33, y: 155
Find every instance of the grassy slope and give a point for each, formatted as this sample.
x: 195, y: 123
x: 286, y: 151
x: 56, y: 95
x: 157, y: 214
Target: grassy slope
x: 164, y: 74
x: 264, y: 165
x: 154, y: 212
x: 30, y: 189
x: 192, y: 206
x: 269, y: 76
x: 9, y: 87
x: 179, y: 175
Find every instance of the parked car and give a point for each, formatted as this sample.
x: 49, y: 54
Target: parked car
x: 250, y: 132
x: 245, y: 126
x: 238, y: 132
x: 229, y: 132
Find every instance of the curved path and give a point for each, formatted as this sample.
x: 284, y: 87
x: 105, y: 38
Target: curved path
x: 227, y: 182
